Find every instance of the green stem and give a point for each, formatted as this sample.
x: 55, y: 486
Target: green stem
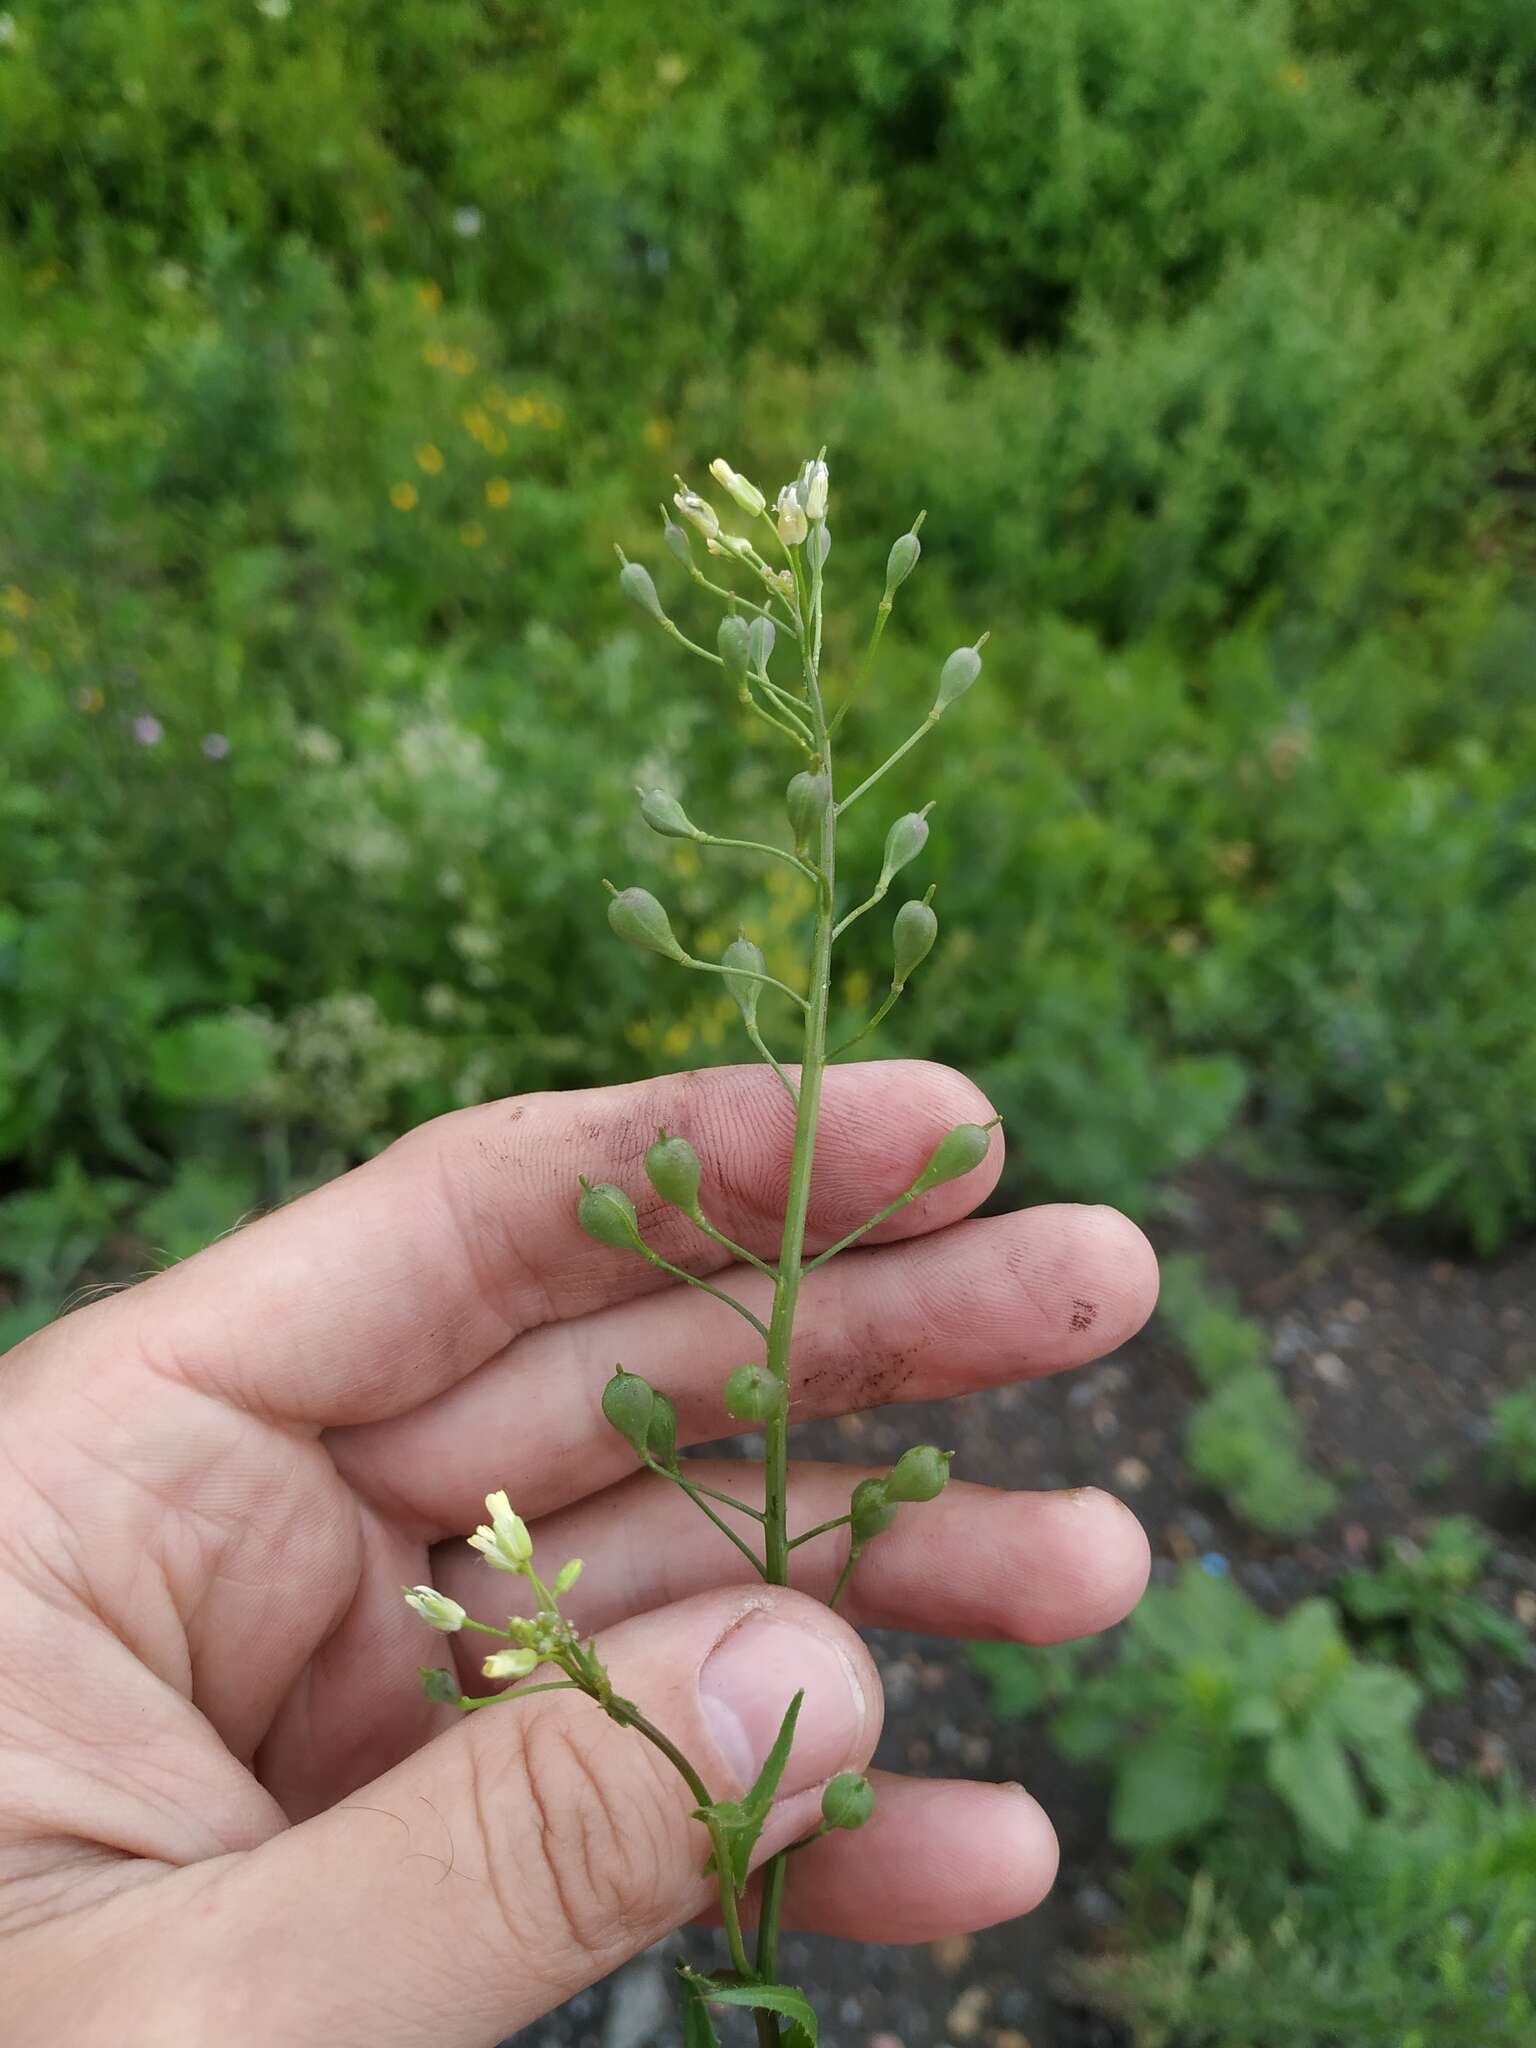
x: 882, y: 613
x: 757, y: 1039
x: 880, y: 1216
x: 696, y: 1496
x: 746, y: 974
x: 792, y: 1244
x: 821, y: 1529
x: 625, y: 1712
x: 737, y: 1251
x: 905, y: 748
x: 874, y: 1023
x: 847, y: 1573
x: 469, y: 1701
x: 693, y: 1280
x: 759, y: 846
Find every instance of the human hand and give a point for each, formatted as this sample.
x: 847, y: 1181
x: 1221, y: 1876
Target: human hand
x: 228, y: 1815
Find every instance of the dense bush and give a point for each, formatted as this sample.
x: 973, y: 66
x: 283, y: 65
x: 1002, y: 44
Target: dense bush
x: 333, y: 343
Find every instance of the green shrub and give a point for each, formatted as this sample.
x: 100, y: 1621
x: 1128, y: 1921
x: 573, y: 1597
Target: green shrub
x: 1421, y: 1607
x: 1512, y: 1445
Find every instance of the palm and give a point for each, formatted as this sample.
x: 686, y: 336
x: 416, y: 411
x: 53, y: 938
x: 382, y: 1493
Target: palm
x: 231, y: 1472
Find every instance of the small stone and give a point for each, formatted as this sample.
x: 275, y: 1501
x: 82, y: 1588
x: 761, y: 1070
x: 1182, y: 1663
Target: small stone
x: 968, y: 2012
x: 1096, y: 1905
x: 1356, y: 1310
x: 886, y: 2041
x: 1492, y: 1759
x: 1009, y: 2037
x: 1132, y: 1474
x: 953, y: 1952
x: 1331, y: 1369
x: 976, y: 1752
x: 1178, y: 1543
x: 1525, y: 1609
x: 1357, y: 1539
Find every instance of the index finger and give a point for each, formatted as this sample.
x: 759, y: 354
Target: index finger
x: 365, y: 1298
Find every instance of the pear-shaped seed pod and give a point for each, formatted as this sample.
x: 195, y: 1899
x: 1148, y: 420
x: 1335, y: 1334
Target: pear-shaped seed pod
x: 628, y: 1402
x: 871, y: 1509
x: 742, y: 953
x: 900, y: 563
x: 921, y: 1473
x: 904, y: 842
x: 664, y: 814
x: 956, y: 677
x: 637, y: 917
x: 753, y: 1394
x: 761, y: 636
x: 672, y: 1168
x: 913, y: 932
x: 607, y: 1214
x: 676, y: 538
x: 958, y: 1152
x: 806, y: 801
x: 635, y: 582
x: 734, y: 642
x: 848, y: 1801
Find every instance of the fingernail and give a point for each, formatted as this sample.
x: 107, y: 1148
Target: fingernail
x: 749, y: 1680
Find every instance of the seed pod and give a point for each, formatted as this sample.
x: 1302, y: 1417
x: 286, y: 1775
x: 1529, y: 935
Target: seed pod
x: 753, y: 1394
x: 821, y: 542
x: 697, y: 511
x: 672, y: 1168
x: 628, y: 1404
x: 958, y: 1152
x: 441, y: 1687
x: 956, y: 677
x: 607, y: 1214
x: 747, y: 495
x: 871, y: 1509
x: 904, y: 842
x: 921, y: 1473
x: 664, y: 814
x: 676, y: 539
x: 635, y: 582
x: 912, y: 935
x: 567, y: 1576
x: 806, y: 800
x: 742, y: 953
x: 661, y: 1437
x: 848, y: 1801
x: 900, y: 562
x: 734, y: 642
x: 636, y: 916
x: 761, y: 637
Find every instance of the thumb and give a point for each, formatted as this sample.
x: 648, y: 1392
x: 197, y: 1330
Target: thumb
x: 533, y: 1847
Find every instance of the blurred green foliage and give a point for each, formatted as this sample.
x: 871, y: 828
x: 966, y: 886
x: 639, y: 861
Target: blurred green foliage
x: 1422, y: 1605
x: 337, y: 345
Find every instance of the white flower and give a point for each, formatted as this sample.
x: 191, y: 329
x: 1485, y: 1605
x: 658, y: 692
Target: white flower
x: 813, y: 489
x: 468, y: 221
x: 274, y: 10
x: 435, y: 1608
x: 506, y: 1544
x: 7, y: 30
x: 510, y: 1663
x: 747, y: 495
x: 789, y: 517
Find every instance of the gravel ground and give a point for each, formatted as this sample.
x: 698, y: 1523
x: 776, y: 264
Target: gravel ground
x: 1392, y: 1357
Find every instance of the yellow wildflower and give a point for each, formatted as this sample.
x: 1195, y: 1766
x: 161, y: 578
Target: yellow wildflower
x: 429, y: 295
x: 403, y: 497
x: 429, y: 458
x: 472, y: 534
x: 498, y: 491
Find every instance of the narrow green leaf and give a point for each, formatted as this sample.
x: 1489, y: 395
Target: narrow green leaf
x: 760, y: 1798
x: 698, y: 2027
x: 779, y: 1998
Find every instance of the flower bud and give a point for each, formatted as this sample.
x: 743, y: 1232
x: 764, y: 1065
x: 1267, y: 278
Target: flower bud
x: 903, y: 843
x: 956, y: 677
x: 742, y: 953
x: 672, y: 1168
x: 664, y: 814
x: 870, y: 1510
x: 435, y: 1608
x: 506, y: 1544
x: 747, y: 495
x: 441, y: 1687
x: 848, y: 1801
x: 900, y: 562
x: 661, y: 1437
x: 761, y: 638
x: 734, y: 642
x: 753, y: 1394
x: 789, y: 517
x: 921, y: 1473
x: 807, y: 800
x: 637, y: 917
x: 677, y: 542
x: 912, y: 935
x: 607, y: 1214
x: 511, y: 1663
x: 635, y: 582
x: 628, y: 1401
x: 957, y: 1153
x: 813, y: 489
x: 698, y: 512
x: 567, y: 1576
